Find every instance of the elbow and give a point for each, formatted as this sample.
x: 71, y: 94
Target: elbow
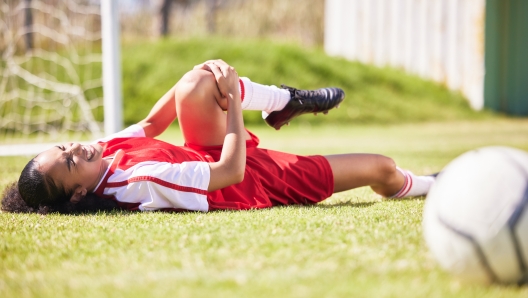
x: 237, y: 174
x: 151, y: 129
x: 239, y: 177
x: 224, y: 176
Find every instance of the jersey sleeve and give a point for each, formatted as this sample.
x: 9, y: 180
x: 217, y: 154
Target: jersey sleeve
x: 161, y: 185
x: 133, y: 131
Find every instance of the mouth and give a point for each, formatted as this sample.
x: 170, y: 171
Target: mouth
x: 89, y: 151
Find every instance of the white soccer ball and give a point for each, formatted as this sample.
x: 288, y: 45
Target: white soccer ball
x: 476, y: 216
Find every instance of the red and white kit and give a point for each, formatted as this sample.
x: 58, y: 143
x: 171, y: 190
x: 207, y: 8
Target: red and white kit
x: 149, y: 174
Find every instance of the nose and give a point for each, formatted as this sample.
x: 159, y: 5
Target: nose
x: 75, y: 149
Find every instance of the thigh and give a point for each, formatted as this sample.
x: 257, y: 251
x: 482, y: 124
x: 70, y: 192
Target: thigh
x: 202, y: 121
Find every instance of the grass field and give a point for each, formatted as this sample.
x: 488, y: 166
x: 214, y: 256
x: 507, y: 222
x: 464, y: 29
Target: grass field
x: 352, y: 245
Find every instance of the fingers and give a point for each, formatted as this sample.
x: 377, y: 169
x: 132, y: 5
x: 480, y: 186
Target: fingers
x: 221, y: 64
x: 225, y: 75
x: 220, y: 78
x: 205, y: 65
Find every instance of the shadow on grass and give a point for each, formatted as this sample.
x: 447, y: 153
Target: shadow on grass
x: 107, y: 213
x: 318, y: 206
x: 342, y: 204
x: 419, y: 198
x: 324, y: 205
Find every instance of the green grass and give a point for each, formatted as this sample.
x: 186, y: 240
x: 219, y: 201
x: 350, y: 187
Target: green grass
x: 351, y: 245
x: 374, y: 95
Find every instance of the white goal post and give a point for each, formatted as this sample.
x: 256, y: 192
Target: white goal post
x: 58, y: 60
x: 113, y: 113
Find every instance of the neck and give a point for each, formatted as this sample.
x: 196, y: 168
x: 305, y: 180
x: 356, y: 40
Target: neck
x: 104, y: 166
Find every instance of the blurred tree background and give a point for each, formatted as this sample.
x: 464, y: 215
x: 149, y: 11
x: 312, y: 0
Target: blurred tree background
x: 298, y: 21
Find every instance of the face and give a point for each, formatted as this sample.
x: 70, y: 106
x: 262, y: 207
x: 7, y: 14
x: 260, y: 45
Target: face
x: 74, y: 166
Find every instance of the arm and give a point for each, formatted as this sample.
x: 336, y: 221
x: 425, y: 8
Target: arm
x: 231, y: 166
x: 161, y: 115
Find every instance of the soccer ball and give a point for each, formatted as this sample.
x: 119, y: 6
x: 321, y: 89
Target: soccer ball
x: 476, y: 216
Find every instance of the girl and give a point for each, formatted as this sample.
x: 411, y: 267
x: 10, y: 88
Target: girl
x: 220, y: 165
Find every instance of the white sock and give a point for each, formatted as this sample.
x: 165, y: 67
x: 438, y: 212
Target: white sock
x: 414, y: 185
x: 261, y: 97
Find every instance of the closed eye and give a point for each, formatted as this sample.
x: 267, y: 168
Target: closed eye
x: 69, y: 160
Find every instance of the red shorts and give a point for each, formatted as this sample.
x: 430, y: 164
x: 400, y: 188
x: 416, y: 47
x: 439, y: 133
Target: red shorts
x: 272, y: 178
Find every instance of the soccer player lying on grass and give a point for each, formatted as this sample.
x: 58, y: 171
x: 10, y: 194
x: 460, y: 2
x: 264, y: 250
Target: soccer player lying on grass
x: 220, y: 165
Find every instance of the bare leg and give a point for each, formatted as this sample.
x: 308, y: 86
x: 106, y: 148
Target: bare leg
x: 200, y: 116
x: 356, y: 170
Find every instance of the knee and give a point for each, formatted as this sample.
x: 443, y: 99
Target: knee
x: 197, y: 78
x: 196, y: 85
x: 386, y: 167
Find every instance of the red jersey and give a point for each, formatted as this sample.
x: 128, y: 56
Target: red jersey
x: 149, y: 174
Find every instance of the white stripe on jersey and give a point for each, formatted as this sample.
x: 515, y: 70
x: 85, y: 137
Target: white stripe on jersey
x: 156, y: 185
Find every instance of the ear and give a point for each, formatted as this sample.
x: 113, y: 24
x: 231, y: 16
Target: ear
x: 78, y: 194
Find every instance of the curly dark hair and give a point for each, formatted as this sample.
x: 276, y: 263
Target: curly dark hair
x: 12, y: 202
x: 36, y: 192
x: 38, y: 188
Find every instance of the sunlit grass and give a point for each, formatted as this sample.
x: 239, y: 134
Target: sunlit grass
x: 352, y: 245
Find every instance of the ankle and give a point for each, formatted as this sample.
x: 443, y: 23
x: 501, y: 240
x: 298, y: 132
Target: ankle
x: 414, y: 185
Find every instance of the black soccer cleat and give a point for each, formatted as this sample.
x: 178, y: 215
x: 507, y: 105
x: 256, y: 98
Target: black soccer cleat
x: 304, y: 102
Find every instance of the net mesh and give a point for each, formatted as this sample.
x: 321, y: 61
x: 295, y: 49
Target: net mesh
x: 50, y: 70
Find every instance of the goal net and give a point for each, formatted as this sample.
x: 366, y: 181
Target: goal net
x: 50, y: 71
